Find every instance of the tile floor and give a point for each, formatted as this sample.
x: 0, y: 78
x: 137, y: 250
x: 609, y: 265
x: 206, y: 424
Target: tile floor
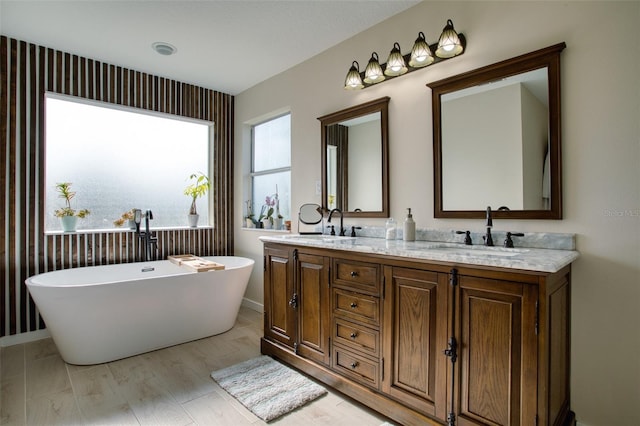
x: 171, y: 386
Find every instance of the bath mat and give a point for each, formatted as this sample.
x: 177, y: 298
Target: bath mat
x: 266, y: 387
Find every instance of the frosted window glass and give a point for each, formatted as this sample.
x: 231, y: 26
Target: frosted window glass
x: 272, y: 144
x: 118, y: 159
x: 265, y: 185
x: 271, y: 160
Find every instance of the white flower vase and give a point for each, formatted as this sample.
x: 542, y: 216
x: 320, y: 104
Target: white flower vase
x: 69, y: 223
x: 193, y: 220
x: 277, y: 223
x: 266, y: 223
x: 249, y: 223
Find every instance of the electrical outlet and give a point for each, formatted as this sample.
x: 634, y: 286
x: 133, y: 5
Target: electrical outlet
x: 318, y: 187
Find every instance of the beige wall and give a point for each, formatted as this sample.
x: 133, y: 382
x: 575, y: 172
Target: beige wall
x: 601, y: 159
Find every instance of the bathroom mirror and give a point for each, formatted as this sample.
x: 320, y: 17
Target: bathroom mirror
x: 355, y: 162
x: 496, y: 139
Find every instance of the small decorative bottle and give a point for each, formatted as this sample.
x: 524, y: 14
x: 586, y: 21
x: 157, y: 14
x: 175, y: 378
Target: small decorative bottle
x: 390, y: 233
x: 409, y: 227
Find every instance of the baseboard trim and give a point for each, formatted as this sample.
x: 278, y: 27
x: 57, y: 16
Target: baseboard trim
x: 253, y: 305
x: 30, y: 336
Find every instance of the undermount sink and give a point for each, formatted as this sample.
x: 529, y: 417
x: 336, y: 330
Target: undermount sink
x: 479, y: 251
x: 324, y: 238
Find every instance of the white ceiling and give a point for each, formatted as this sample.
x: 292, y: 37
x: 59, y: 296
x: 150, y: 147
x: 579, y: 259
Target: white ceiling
x: 227, y: 46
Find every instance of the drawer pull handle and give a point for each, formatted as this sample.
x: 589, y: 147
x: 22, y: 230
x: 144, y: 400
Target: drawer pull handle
x: 354, y: 365
x: 353, y: 305
x: 354, y: 274
x: 354, y: 335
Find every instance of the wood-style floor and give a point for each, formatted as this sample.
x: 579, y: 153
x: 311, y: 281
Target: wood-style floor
x: 171, y: 386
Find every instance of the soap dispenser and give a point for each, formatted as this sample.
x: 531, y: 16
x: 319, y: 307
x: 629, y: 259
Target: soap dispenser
x: 409, y: 233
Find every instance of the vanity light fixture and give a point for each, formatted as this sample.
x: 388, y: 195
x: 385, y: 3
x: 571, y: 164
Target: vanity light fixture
x: 373, y: 73
x: 449, y: 45
x: 421, y: 55
x: 395, y: 64
x: 353, y: 80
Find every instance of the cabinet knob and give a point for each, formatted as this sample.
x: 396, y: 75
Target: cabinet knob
x: 353, y: 305
x: 354, y: 365
x: 354, y: 335
x: 354, y: 274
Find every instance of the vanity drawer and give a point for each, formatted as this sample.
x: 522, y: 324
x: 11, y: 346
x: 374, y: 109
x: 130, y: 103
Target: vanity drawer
x: 360, y: 307
x: 360, y: 275
x: 356, y: 367
x: 357, y: 337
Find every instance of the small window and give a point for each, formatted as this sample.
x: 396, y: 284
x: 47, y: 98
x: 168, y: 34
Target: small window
x: 271, y: 171
x: 119, y: 158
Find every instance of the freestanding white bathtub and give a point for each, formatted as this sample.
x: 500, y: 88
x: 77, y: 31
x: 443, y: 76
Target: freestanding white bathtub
x: 102, y: 313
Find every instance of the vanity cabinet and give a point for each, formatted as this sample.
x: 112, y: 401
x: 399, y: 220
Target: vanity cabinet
x: 296, y: 294
x: 415, y: 334
x: 423, y: 342
x: 279, y: 296
x: 497, y: 352
x: 356, y: 313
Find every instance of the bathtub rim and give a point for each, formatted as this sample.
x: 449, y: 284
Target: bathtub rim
x: 33, y: 281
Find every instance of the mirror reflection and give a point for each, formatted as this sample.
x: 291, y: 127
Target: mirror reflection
x: 496, y: 139
x: 503, y: 125
x: 354, y: 155
x: 354, y: 160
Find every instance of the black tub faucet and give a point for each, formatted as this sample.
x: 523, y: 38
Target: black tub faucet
x: 146, y: 236
x: 488, y: 239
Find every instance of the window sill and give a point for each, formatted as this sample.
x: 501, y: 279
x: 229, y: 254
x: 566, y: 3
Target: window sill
x: 279, y: 231
x: 124, y: 230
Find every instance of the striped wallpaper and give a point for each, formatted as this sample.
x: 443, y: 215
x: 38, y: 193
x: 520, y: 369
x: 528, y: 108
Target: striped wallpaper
x: 27, y: 71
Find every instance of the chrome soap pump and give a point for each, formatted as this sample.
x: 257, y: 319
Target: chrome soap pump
x: 409, y: 233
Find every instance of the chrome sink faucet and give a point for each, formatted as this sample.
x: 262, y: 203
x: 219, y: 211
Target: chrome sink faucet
x: 341, y: 220
x: 488, y: 239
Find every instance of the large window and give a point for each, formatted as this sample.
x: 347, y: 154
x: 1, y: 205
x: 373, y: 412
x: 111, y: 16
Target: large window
x: 271, y: 168
x: 120, y: 158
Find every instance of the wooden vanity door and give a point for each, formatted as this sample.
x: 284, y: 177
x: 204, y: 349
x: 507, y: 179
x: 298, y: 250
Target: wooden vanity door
x: 279, y: 296
x: 496, y: 381
x: 415, y: 334
x: 312, y: 276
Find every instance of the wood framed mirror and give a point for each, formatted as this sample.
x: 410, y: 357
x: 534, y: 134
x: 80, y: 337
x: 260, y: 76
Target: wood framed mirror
x: 355, y: 160
x: 497, y: 139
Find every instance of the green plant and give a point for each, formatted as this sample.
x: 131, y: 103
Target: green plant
x: 65, y: 191
x: 126, y: 216
x: 197, y: 188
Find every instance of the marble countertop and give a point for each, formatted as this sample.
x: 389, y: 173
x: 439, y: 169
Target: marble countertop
x: 529, y: 259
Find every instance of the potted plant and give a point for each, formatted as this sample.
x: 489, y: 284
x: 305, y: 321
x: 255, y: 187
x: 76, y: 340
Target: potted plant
x: 197, y: 188
x: 266, y: 213
x: 249, y: 218
x: 127, y: 216
x: 67, y: 215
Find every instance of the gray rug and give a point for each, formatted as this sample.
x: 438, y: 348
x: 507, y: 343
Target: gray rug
x: 266, y: 387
